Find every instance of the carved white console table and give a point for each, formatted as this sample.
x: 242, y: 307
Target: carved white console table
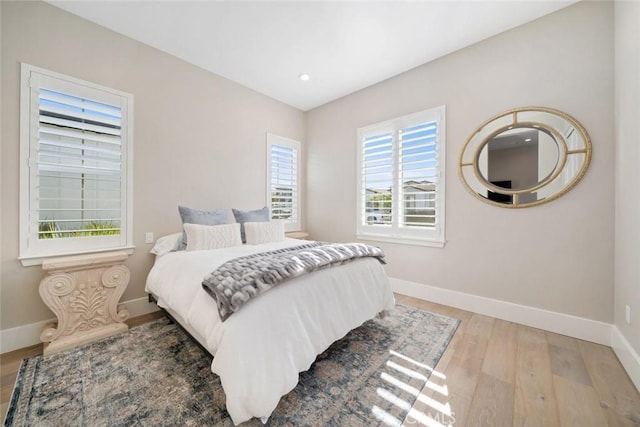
x: 83, y: 292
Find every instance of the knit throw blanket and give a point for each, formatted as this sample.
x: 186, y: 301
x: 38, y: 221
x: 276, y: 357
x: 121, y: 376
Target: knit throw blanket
x: 241, y: 279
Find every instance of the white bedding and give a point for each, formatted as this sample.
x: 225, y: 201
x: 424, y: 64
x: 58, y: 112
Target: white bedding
x: 260, y: 350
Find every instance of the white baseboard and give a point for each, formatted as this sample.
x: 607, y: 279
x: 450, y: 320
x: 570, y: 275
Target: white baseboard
x: 565, y: 324
x: 28, y: 335
x: 138, y: 307
x: 626, y: 354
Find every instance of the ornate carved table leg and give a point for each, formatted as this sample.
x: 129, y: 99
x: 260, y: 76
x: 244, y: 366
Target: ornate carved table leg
x: 83, y: 292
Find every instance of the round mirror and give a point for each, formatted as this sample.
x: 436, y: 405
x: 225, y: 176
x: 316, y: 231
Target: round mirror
x: 525, y: 157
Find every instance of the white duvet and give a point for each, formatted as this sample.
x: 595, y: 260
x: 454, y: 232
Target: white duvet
x: 260, y: 349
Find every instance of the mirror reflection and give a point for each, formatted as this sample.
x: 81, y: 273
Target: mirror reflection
x: 525, y: 157
x: 519, y: 158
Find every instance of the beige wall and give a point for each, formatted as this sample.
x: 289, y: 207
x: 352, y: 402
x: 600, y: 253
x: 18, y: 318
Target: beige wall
x: 199, y: 138
x: 557, y: 256
x: 627, y: 110
x: 1, y: 175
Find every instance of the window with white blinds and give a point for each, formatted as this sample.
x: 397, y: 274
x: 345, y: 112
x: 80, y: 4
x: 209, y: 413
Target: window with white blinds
x: 75, y: 182
x: 283, y: 180
x: 401, y: 179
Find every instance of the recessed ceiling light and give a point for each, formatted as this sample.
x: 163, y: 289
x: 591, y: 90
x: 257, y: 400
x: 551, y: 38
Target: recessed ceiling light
x: 527, y: 140
x: 304, y: 77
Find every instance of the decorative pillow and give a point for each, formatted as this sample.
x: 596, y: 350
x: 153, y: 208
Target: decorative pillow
x: 195, y: 216
x: 259, y: 215
x: 264, y: 232
x: 166, y: 244
x: 201, y: 237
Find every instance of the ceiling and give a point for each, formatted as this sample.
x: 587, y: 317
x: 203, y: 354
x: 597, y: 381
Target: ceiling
x: 343, y: 46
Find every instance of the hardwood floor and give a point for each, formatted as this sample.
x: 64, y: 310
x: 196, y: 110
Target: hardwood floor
x: 494, y: 373
x: 498, y: 373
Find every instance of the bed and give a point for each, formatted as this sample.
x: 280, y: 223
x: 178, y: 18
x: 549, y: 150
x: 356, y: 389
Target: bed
x: 260, y: 349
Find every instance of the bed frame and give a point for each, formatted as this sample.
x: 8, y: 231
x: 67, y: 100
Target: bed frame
x: 172, y: 319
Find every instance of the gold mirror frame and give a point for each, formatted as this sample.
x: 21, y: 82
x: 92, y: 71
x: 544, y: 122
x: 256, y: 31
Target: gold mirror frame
x: 479, y: 139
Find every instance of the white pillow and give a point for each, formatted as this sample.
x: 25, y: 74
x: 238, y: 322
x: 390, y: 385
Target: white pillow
x: 166, y: 244
x: 264, y: 232
x: 201, y: 237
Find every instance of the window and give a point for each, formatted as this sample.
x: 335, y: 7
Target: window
x: 401, y: 179
x: 75, y: 172
x: 283, y: 180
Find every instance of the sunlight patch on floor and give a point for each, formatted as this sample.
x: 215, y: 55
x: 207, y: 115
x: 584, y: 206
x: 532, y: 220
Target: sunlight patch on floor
x: 408, y: 372
x: 439, y: 414
x: 385, y: 417
x: 392, y: 398
x: 442, y: 389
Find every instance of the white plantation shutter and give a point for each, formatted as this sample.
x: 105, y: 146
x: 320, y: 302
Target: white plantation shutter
x: 419, y: 174
x: 377, y: 178
x: 78, y: 166
x: 401, y: 185
x: 283, y: 180
x: 77, y: 143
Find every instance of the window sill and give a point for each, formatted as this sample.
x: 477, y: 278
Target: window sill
x: 297, y: 234
x: 31, y: 260
x: 402, y: 240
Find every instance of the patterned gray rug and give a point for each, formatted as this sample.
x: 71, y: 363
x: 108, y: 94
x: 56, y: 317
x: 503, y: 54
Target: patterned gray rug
x: 154, y: 375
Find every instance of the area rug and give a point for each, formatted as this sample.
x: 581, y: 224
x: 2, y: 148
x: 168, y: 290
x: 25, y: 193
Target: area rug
x: 155, y: 375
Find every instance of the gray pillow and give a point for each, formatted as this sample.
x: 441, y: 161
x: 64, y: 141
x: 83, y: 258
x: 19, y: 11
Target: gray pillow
x: 195, y: 216
x: 259, y: 215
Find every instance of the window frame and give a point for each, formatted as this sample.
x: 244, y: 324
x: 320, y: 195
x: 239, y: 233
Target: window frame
x: 277, y: 140
x: 33, y: 250
x: 396, y: 233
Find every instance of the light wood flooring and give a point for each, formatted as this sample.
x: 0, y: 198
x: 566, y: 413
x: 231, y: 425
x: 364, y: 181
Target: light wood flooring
x: 494, y: 373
